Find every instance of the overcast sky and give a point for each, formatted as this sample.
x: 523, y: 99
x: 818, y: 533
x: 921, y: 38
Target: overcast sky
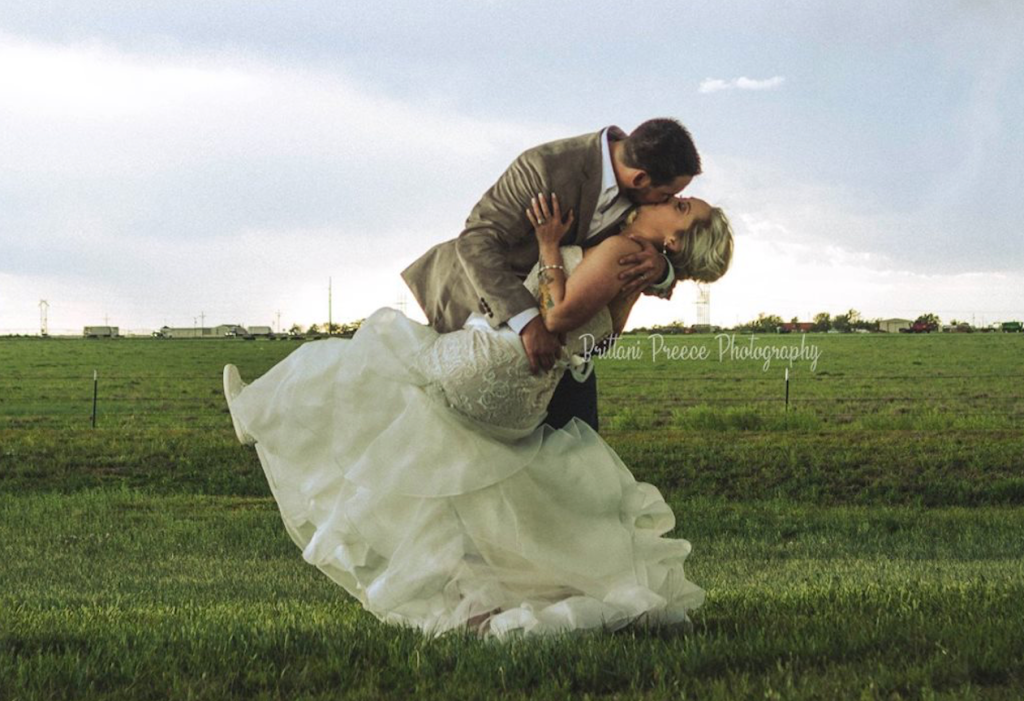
x: 159, y: 161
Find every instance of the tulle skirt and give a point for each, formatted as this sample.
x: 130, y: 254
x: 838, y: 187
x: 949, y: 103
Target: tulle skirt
x: 429, y: 518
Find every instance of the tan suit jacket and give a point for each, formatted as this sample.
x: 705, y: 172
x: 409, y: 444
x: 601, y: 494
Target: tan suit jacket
x: 483, y: 269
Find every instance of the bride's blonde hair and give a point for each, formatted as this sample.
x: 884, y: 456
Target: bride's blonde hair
x: 706, y: 250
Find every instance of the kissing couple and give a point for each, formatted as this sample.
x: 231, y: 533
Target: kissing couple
x: 450, y: 476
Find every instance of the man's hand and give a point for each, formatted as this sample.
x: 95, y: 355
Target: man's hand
x: 646, y: 267
x: 662, y: 294
x: 542, y: 347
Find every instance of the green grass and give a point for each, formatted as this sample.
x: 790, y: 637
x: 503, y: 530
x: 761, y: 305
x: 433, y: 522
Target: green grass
x: 124, y: 595
x: 864, y: 543
x: 885, y: 419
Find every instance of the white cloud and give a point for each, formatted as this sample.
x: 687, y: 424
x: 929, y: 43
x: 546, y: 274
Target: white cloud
x: 778, y: 276
x: 802, y: 248
x: 89, y: 104
x: 242, y: 278
x: 709, y: 85
x: 151, y: 189
x: 155, y: 188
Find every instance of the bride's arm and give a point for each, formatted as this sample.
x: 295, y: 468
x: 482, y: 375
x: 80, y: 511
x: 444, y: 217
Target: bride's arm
x: 592, y: 286
x: 551, y: 280
x: 549, y: 228
x: 568, y: 304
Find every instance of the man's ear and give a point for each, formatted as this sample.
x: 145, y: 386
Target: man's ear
x: 640, y: 179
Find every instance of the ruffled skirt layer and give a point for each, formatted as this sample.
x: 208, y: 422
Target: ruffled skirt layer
x: 429, y: 518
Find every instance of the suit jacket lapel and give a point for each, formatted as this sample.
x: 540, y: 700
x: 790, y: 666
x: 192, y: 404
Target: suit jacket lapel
x: 590, y: 190
x: 591, y: 184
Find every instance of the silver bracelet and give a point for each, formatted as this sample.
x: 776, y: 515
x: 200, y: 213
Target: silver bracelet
x: 550, y: 267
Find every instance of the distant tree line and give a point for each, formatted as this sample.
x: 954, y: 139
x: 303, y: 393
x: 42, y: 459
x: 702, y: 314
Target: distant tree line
x: 345, y: 330
x: 823, y: 322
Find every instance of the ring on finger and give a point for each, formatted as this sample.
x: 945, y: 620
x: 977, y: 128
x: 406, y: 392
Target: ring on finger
x: 540, y: 221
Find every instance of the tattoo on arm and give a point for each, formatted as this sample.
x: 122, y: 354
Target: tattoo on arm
x: 551, y: 289
x: 545, y: 291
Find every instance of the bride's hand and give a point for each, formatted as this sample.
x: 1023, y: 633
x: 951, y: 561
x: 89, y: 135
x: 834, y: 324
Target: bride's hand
x: 548, y: 224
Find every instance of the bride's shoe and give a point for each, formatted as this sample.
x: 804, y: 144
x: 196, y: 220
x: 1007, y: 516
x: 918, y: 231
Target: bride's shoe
x: 481, y: 623
x: 233, y: 385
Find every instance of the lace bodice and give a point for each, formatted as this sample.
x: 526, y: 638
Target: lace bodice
x: 483, y: 373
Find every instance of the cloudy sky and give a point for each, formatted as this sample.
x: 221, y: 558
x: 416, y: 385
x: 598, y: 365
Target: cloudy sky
x: 163, y: 160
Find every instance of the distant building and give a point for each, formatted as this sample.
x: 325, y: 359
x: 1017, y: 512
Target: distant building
x: 229, y: 330
x: 894, y: 325
x: 261, y: 332
x: 185, y: 332
x: 799, y: 327
x: 100, y: 332
x: 202, y: 331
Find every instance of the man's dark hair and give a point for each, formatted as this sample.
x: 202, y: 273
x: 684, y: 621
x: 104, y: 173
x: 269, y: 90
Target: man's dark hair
x: 664, y: 149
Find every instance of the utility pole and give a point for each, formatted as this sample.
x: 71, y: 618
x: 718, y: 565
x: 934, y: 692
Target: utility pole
x: 279, y: 321
x: 330, y: 318
x: 202, y: 320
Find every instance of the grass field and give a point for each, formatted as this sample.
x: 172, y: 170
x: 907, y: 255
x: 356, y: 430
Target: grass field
x: 866, y: 543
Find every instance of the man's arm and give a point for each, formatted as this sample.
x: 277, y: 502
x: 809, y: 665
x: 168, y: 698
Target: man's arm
x: 541, y: 346
x: 520, y: 320
x: 497, y: 225
x: 645, y: 266
x: 664, y: 288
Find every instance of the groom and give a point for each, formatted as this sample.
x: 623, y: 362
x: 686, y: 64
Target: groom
x: 600, y: 176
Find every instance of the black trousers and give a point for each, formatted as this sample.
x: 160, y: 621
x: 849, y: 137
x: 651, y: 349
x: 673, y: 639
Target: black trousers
x: 571, y: 399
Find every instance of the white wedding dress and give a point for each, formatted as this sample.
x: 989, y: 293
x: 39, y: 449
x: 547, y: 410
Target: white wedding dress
x: 409, y: 467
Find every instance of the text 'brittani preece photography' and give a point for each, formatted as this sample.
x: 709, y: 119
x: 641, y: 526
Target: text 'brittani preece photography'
x: 504, y: 350
x: 720, y: 348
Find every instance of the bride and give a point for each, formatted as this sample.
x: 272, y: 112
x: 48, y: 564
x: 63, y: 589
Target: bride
x: 413, y: 468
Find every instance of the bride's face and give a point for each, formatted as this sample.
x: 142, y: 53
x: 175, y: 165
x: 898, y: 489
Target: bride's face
x: 678, y: 214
